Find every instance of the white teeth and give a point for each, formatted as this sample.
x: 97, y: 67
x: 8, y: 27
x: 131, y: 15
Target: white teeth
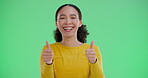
x: 68, y: 28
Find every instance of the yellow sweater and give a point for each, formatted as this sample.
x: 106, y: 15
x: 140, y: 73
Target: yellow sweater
x: 71, y: 62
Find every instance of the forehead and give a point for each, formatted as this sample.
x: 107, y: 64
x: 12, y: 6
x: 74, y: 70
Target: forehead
x: 68, y: 10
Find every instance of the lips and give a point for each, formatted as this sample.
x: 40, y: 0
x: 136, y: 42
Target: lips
x: 68, y: 29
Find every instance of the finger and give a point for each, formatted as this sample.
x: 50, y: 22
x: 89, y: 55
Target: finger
x: 47, y: 60
x: 47, y: 57
x: 92, y: 56
x: 47, y: 45
x: 47, y: 54
x: 88, y: 56
x: 93, y: 53
x: 87, y: 53
x: 47, y: 51
x: 91, y: 45
x: 91, y: 59
x: 89, y: 50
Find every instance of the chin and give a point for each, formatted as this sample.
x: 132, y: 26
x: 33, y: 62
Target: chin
x: 68, y: 35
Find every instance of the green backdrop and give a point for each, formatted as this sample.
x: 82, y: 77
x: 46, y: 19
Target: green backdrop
x: 118, y: 27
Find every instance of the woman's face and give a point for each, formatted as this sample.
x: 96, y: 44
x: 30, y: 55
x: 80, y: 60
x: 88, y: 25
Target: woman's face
x: 68, y: 21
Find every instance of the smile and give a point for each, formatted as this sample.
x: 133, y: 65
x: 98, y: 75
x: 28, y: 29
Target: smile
x: 68, y: 29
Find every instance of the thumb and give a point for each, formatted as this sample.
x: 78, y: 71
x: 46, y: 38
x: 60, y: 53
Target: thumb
x: 47, y: 45
x: 91, y: 45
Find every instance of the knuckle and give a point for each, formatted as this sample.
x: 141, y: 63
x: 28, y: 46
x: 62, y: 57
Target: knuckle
x: 87, y: 53
x: 50, y: 51
x: 87, y: 56
x: 86, y: 50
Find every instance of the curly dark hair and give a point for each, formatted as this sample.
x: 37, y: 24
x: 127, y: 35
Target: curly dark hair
x: 82, y: 31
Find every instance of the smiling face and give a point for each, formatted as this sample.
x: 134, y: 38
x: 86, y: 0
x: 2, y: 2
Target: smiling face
x: 68, y: 21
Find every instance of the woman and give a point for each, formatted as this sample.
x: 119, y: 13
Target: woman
x: 70, y: 56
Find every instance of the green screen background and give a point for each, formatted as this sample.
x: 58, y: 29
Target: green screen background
x: 118, y: 27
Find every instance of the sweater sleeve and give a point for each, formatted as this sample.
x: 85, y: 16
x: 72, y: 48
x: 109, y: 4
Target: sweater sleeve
x: 96, y: 69
x: 46, y: 70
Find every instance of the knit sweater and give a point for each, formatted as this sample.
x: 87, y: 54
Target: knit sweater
x: 71, y: 62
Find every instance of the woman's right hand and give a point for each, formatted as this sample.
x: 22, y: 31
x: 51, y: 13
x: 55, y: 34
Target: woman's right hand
x: 47, y: 54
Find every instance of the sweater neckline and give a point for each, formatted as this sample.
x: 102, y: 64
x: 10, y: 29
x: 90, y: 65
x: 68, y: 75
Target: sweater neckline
x: 58, y: 43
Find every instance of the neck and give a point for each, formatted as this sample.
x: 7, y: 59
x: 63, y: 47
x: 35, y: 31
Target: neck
x: 70, y: 41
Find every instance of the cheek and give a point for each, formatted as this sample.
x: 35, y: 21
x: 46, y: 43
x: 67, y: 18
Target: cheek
x: 60, y: 23
x: 77, y: 23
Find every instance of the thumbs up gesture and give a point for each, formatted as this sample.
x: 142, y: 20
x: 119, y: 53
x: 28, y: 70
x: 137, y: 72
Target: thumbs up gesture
x: 47, y: 54
x: 91, y: 54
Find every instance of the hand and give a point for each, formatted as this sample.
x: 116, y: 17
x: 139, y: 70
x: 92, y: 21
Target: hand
x: 47, y: 54
x: 91, y: 54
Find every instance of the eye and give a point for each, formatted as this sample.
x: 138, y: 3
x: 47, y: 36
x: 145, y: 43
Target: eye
x: 62, y: 18
x: 73, y: 17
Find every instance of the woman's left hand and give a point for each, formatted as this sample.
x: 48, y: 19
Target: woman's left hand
x: 91, y: 54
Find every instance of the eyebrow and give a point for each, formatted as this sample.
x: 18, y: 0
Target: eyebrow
x: 70, y: 15
x: 62, y: 15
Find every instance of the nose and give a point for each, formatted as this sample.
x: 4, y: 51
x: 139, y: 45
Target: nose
x: 68, y: 21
